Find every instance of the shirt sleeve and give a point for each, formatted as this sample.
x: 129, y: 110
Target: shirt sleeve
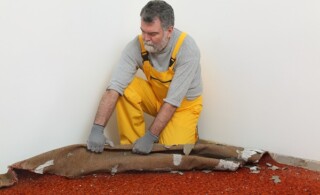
x: 187, y: 72
x: 127, y: 67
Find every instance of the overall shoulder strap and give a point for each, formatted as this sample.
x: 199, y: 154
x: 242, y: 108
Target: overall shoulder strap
x: 144, y: 52
x: 176, y: 48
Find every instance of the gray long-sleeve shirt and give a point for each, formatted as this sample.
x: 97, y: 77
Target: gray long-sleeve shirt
x: 186, y: 83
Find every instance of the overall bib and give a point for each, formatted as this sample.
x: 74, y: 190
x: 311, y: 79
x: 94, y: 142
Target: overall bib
x: 147, y: 96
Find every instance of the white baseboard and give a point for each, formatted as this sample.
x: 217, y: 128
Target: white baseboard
x: 297, y: 162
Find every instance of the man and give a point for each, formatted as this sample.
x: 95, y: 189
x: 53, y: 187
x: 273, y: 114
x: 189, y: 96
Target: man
x: 170, y: 61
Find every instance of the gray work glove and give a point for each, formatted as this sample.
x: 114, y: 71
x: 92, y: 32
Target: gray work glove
x: 96, y: 140
x: 144, y: 144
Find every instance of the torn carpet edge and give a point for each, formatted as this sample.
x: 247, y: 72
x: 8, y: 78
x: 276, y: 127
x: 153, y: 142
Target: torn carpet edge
x: 75, y: 160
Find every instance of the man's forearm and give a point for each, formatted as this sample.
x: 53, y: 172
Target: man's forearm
x: 163, y: 117
x: 106, y: 107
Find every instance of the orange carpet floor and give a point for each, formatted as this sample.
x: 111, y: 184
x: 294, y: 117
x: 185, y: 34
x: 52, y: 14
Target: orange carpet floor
x: 272, y: 178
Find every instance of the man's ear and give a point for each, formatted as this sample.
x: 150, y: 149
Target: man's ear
x: 170, y: 30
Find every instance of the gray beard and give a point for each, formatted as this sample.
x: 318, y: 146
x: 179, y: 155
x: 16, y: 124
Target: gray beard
x: 152, y: 48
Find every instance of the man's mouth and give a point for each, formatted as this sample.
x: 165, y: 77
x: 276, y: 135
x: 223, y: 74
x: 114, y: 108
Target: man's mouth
x: 148, y: 44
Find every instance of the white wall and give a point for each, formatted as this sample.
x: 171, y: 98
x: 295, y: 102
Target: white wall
x: 260, y: 66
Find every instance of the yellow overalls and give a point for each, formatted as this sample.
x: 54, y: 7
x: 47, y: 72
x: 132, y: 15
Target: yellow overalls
x: 147, y: 96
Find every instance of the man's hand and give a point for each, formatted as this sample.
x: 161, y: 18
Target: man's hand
x: 144, y: 144
x: 97, y: 139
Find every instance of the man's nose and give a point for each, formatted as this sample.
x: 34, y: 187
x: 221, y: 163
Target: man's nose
x: 146, y: 37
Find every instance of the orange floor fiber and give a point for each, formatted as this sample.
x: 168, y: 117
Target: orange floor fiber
x: 292, y: 180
